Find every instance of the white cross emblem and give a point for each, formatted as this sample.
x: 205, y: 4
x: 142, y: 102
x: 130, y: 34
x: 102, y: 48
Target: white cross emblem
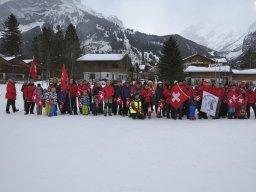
x: 34, y: 97
x: 176, y: 97
x: 240, y: 100
x: 234, y: 97
x: 101, y: 96
x: 40, y: 102
x: 230, y: 101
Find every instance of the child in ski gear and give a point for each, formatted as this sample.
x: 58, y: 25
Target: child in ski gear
x: 53, y: 102
x: 47, y: 101
x: 85, y: 102
x: 136, y: 109
x: 38, y: 93
x: 232, y: 95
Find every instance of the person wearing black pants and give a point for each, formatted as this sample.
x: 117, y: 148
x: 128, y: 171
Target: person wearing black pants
x: 11, y: 102
x: 251, y: 96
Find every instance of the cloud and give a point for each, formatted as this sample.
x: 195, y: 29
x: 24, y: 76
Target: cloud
x: 173, y: 16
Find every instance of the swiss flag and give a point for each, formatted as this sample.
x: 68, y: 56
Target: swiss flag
x: 119, y: 100
x: 33, y: 71
x: 64, y: 77
x: 80, y: 105
x: 178, y: 96
x: 127, y: 102
x: 240, y: 100
x: 160, y: 107
x: 34, y: 97
x: 101, y: 96
x: 40, y: 102
x: 149, y: 110
x: 78, y: 93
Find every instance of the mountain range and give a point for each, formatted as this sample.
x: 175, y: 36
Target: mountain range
x: 100, y: 34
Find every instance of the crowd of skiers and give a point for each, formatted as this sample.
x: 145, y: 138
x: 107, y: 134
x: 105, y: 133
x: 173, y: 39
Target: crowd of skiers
x: 134, y: 99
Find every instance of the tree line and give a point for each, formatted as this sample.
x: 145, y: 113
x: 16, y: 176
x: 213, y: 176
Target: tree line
x: 51, y: 49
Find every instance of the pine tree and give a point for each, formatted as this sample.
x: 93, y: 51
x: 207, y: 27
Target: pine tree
x: 11, y: 40
x: 73, y: 50
x: 170, y: 65
x: 58, y: 51
x: 46, y: 47
x: 249, y: 59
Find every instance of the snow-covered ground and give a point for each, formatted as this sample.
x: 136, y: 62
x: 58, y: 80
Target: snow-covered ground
x: 117, y: 154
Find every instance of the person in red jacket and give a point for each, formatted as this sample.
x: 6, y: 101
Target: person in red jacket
x: 232, y: 105
x: 147, y: 95
x: 108, y: 98
x: 10, y: 96
x: 251, y: 100
x: 30, y: 102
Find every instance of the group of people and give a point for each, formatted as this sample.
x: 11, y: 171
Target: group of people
x: 134, y: 99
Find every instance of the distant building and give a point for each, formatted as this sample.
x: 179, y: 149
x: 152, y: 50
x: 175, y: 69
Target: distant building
x: 197, y: 60
x: 13, y: 67
x: 104, y: 66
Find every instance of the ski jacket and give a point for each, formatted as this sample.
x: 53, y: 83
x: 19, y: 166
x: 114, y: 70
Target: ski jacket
x: 10, y: 91
x: 109, y: 92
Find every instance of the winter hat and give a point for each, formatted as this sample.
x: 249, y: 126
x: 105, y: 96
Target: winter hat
x: 243, y: 84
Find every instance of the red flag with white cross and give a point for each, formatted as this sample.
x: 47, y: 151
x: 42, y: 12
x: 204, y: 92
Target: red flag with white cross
x: 240, y: 100
x: 178, y: 96
x: 64, y: 77
x: 119, y: 100
x: 101, y: 96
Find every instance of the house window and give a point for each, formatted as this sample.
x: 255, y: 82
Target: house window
x: 115, y: 66
x: 107, y: 75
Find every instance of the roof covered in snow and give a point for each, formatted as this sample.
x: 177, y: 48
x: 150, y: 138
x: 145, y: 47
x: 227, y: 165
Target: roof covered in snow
x: 9, y: 58
x: 101, y: 57
x: 28, y: 60
x: 246, y: 72
x: 220, y: 60
x: 221, y: 69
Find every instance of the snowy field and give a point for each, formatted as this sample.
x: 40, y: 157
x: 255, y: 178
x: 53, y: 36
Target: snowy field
x: 117, y: 154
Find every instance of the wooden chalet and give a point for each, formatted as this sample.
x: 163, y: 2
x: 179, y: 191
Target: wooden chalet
x: 104, y: 66
x: 197, y: 60
x: 13, y: 67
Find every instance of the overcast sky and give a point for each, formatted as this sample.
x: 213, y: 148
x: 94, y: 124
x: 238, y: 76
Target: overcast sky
x: 173, y: 16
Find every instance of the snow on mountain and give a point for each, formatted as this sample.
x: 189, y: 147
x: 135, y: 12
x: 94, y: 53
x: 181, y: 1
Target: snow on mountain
x: 97, y: 33
x: 224, y: 38
x: 115, y: 20
x: 218, y: 37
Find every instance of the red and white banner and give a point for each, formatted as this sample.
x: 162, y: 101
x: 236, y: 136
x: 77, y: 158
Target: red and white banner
x: 178, y: 97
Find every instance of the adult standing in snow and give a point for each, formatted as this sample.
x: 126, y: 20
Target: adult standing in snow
x: 11, y: 96
x: 23, y: 94
x: 108, y: 99
x: 30, y: 102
